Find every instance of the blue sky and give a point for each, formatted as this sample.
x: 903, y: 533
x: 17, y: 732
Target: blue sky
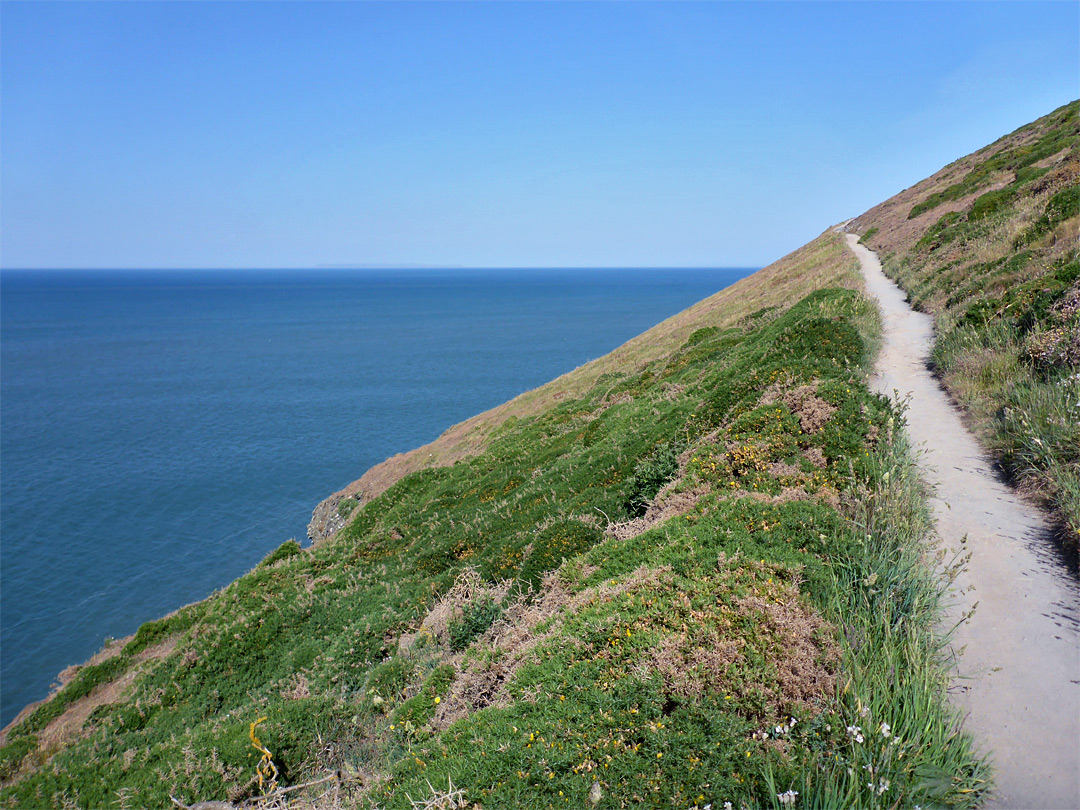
x: 493, y: 134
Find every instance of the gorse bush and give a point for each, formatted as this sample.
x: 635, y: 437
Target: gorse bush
x: 287, y: 549
x: 649, y: 476
x: 550, y: 546
x: 475, y: 619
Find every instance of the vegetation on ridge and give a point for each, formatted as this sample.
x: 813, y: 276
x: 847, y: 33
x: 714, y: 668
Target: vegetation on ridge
x: 820, y: 263
x: 698, y: 579
x: 989, y: 245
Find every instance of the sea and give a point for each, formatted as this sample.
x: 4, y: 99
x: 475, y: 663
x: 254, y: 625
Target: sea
x: 162, y: 431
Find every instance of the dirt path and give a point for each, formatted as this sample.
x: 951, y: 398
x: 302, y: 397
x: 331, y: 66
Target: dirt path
x: 1019, y: 676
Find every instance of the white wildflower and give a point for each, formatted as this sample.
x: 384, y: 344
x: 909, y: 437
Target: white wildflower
x: 885, y: 730
x: 787, y: 798
x: 883, y: 785
x: 856, y: 733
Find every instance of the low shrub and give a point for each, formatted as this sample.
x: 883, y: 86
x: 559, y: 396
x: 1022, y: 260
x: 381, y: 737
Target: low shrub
x: 474, y: 620
x: 650, y: 475
x: 290, y: 548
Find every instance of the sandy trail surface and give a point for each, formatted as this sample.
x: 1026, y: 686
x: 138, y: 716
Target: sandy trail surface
x: 1018, y: 679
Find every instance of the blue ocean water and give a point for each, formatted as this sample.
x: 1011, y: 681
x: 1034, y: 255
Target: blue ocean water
x: 161, y: 432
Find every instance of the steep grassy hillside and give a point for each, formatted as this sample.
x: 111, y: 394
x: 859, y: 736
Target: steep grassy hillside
x: 821, y: 263
x: 689, y: 573
x: 989, y: 246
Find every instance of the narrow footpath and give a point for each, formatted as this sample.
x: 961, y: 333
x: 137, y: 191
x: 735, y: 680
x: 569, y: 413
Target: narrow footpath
x: 1018, y: 680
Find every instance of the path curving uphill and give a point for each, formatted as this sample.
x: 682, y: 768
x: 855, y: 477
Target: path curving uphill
x: 1018, y: 677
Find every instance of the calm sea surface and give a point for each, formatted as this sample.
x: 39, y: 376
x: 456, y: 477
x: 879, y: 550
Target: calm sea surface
x: 160, y: 432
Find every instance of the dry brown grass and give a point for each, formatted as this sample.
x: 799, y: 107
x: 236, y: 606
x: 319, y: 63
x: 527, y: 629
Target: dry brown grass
x: 812, y: 410
x: 523, y: 625
x: 70, y: 725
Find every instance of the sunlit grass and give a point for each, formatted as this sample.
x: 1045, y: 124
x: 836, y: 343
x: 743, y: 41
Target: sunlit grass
x: 503, y: 626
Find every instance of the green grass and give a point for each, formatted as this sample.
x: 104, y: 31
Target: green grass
x: 649, y: 665
x: 696, y: 734
x: 1003, y: 280
x: 1060, y: 133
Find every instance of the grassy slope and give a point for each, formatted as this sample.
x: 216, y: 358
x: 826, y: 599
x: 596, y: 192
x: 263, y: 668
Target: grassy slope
x: 776, y: 576
x: 989, y: 246
x: 821, y: 263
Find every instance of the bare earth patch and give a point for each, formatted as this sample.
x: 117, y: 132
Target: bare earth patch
x: 70, y: 725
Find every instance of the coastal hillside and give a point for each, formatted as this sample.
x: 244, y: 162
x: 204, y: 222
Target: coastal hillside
x: 696, y: 572
x: 821, y: 263
x: 989, y: 246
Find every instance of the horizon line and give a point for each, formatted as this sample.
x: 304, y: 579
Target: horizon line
x: 138, y: 268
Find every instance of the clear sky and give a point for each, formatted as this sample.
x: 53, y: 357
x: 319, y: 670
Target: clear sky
x: 191, y: 134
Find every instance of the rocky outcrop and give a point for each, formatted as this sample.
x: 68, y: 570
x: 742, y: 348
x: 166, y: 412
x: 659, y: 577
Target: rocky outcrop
x: 330, y: 517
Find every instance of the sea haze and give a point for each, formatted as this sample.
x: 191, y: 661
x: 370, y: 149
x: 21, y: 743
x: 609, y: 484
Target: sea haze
x: 161, y: 432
